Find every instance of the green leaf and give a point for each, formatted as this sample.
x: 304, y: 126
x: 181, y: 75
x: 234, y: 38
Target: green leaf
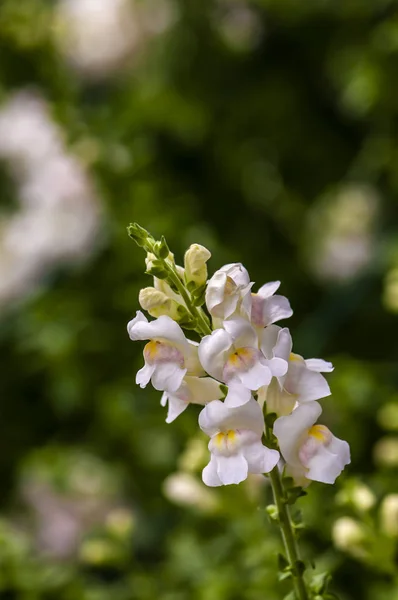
x: 270, y: 419
x: 282, y: 562
x: 319, y: 583
x: 294, y: 493
x: 163, y: 249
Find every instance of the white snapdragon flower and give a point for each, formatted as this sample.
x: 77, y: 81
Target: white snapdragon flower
x: 266, y: 308
x: 232, y: 355
x: 302, y: 382
x: 193, y: 390
x: 169, y: 356
x: 227, y: 290
x: 235, y: 444
x: 311, y: 451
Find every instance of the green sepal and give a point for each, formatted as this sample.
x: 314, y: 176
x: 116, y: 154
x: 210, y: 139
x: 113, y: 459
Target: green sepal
x: 161, y: 249
x: 294, y: 493
x: 270, y: 419
x: 224, y: 389
x: 158, y: 272
x: 299, y: 567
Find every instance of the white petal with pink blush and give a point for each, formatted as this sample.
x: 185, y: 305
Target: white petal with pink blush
x: 311, y: 451
x: 235, y: 443
x: 168, y: 356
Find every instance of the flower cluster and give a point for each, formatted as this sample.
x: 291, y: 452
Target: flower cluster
x: 242, y: 370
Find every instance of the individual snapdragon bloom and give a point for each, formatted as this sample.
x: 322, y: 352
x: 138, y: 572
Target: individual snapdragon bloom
x: 169, y: 356
x: 311, y: 451
x: 193, y: 390
x: 228, y: 290
x: 232, y: 356
x: 302, y: 382
x: 195, y: 261
x: 266, y: 308
x: 235, y: 444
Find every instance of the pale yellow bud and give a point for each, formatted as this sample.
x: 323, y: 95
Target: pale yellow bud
x: 389, y: 515
x: 195, y: 264
x: 156, y: 303
x: 149, y: 260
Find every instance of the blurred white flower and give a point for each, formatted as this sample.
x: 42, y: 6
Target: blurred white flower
x: 186, y: 490
x: 98, y: 37
x: 341, y: 232
x: 59, y: 214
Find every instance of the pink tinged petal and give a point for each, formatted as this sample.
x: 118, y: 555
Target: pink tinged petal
x: 163, y: 328
x: 213, y: 350
x: 260, y: 458
x: 305, y: 384
x: 256, y: 376
x: 209, y: 474
x: 237, y: 272
x: 268, y: 289
x: 241, y: 332
x: 237, y: 395
x: 284, y: 344
x: 144, y: 375
x: 167, y: 377
x: 319, y: 365
x: 232, y: 469
x: 268, y: 340
x: 329, y: 461
x: 275, y: 309
x: 217, y: 416
x: 290, y: 429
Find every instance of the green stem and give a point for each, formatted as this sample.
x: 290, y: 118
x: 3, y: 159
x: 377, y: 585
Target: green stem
x: 288, y: 536
x: 195, y: 311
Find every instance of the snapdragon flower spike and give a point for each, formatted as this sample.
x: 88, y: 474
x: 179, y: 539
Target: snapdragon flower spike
x: 232, y: 355
x: 193, y: 390
x: 266, y: 308
x: 169, y: 356
x: 302, y: 382
x: 227, y: 290
x: 235, y: 444
x: 311, y: 451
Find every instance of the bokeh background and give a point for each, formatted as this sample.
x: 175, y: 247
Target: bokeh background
x: 265, y: 130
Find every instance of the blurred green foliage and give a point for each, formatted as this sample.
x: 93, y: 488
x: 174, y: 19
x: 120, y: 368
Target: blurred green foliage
x: 265, y: 130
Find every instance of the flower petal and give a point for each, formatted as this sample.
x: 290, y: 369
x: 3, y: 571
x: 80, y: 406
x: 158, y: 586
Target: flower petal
x: 232, y: 469
x: 329, y: 461
x: 144, y: 375
x: 163, y: 328
x: 242, y: 332
x: 167, y: 376
x: 237, y: 395
x: 203, y: 389
x: 209, y: 473
x: 176, y: 407
x: 289, y: 430
x: 217, y: 416
x: 268, y: 289
x: 275, y: 309
x: 212, y: 352
x: 260, y: 458
x: 256, y: 376
x: 305, y: 384
x: 319, y: 365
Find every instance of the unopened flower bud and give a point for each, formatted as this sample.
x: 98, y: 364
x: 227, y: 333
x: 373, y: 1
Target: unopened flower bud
x: 389, y: 515
x: 195, y: 264
x: 156, y: 303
